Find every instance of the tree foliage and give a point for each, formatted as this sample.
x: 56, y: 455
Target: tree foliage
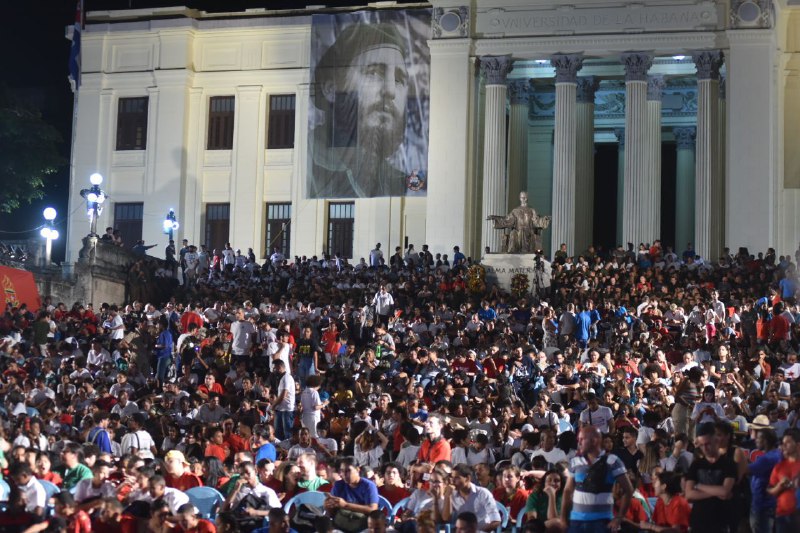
x: 29, y: 152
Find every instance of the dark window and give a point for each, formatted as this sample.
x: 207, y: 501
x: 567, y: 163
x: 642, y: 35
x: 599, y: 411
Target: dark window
x: 281, y: 121
x: 218, y: 225
x: 220, y: 122
x: 279, y: 217
x: 128, y: 220
x: 341, y: 228
x: 132, y: 123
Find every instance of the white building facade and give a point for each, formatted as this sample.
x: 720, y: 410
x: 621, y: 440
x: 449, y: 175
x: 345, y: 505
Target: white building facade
x: 206, y: 114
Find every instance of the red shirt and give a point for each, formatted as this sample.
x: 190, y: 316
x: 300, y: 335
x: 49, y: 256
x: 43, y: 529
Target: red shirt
x: 190, y: 317
x: 636, y: 512
x: 237, y: 443
x: 215, y: 450
x: 79, y: 523
x: 786, y: 499
x: 184, y: 483
x: 126, y: 524
x: 433, y: 452
x: 203, y: 526
x: 514, y: 502
x: 393, y: 494
x: 675, y: 513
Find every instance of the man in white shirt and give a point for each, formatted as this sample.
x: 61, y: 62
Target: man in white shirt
x: 96, y: 486
x: 174, y: 497
x: 138, y: 441
x: 596, y: 415
x: 284, y: 402
x: 469, y: 497
x: 547, y: 448
x: 383, y: 302
x: 375, y: 256
x: 97, y: 356
x: 115, y: 325
x: 284, y: 350
x: 248, y: 484
x: 244, y: 335
x: 33, y: 493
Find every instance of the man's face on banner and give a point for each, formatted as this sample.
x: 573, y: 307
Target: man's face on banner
x: 380, y: 79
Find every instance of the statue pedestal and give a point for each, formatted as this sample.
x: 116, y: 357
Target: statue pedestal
x: 500, y: 268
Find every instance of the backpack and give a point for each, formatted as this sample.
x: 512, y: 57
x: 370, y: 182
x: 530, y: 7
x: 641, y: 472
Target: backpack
x: 596, y: 480
x: 304, y: 517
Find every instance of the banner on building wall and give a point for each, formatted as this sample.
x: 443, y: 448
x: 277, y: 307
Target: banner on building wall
x: 368, y: 109
x: 17, y: 287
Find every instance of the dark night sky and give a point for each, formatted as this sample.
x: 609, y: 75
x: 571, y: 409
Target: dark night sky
x: 36, y: 65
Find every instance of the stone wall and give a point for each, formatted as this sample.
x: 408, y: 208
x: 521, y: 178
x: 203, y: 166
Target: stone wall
x: 99, y: 275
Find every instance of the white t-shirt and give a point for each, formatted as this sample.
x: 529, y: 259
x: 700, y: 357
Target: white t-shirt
x: 243, y: 332
x: 138, y: 440
x: 371, y: 458
x: 599, y: 419
x: 286, y: 384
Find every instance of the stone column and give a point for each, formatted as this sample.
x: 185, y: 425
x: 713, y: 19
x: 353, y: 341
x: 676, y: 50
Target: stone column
x: 584, y: 165
x: 496, y: 69
x: 564, y: 147
x: 708, y: 202
x: 636, y: 155
x: 620, y: 133
x: 518, y: 92
x: 722, y: 123
x: 684, y: 187
x: 652, y: 185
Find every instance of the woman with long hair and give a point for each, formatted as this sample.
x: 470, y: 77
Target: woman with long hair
x: 289, y: 474
x: 647, y: 464
x: 214, y: 474
x: 544, y: 502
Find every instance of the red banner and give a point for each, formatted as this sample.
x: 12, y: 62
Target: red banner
x: 17, y: 287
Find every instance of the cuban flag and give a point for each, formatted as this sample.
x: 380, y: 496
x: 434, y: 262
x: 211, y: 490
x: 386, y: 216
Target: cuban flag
x: 75, y: 50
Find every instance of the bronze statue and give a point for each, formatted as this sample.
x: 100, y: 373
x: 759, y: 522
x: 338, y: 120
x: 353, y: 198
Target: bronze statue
x: 525, y: 225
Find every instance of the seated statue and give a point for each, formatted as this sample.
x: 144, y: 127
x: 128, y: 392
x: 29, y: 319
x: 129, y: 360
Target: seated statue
x: 525, y: 225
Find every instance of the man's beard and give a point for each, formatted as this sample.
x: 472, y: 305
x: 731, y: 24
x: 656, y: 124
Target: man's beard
x: 378, y: 143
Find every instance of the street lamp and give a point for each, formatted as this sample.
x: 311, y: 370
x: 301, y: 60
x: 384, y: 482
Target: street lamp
x: 49, y: 232
x: 94, y: 196
x: 171, y: 223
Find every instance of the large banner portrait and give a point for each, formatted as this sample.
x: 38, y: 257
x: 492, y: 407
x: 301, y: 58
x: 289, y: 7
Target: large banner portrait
x: 368, y: 112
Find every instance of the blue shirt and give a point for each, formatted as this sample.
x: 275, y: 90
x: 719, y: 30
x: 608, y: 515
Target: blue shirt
x: 165, y: 340
x: 583, y: 323
x: 788, y: 287
x: 759, y: 471
x: 365, y: 493
x: 267, y: 451
x: 99, y: 437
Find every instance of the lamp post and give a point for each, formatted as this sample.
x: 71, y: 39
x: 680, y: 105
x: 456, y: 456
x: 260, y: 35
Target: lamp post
x: 49, y: 232
x: 171, y: 223
x: 94, y: 196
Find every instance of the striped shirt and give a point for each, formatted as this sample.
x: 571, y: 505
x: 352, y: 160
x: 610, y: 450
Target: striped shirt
x: 594, y: 503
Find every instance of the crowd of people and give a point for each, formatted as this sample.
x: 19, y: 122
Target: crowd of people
x: 641, y: 390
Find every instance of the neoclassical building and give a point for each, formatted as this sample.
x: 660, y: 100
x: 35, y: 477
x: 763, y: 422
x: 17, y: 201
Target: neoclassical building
x: 626, y: 121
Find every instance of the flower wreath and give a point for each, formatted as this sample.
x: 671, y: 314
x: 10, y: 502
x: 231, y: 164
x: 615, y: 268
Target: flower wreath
x: 476, y: 279
x: 520, y: 284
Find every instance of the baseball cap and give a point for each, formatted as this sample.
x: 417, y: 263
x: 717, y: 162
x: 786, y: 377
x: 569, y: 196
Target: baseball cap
x: 175, y: 454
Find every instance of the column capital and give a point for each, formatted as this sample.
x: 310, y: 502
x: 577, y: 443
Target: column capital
x: 723, y: 82
x: 519, y: 91
x: 655, y: 87
x: 684, y: 137
x: 636, y: 65
x: 496, y: 68
x: 707, y: 63
x: 567, y: 67
x: 620, y: 133
x: 587, y: 86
